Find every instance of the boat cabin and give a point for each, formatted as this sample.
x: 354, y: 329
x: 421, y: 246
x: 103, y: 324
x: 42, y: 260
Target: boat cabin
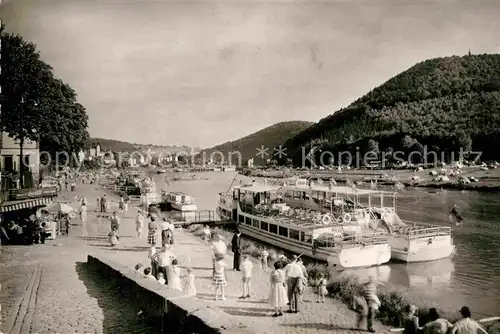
x: 178, y: 198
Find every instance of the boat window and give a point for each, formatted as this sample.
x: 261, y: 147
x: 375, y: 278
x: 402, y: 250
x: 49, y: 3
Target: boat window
x: 248, y: 221
x: 305, y: 237
x: 241, y: 219
x: 273, y: 228
x: 256, y: 223
x: 294, y: 234
x: 283, y: 231
x: 264, y: 226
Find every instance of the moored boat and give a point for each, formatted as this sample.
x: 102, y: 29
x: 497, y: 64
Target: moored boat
x: 376, y: 210
x: 161, y: 171
x: 178, y: 201
x: 260, y: 215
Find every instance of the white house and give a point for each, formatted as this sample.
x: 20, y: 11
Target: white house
x: 10, y: 151
x: 95, y: 150
x: 250, y: 163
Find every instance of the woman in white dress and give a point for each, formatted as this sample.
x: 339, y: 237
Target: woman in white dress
x: 174, y: 276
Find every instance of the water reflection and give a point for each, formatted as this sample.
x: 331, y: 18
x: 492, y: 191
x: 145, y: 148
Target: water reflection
x: 421, y: 276
x: 381, y: 274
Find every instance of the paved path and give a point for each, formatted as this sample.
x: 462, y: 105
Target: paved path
x: 254, y: 312
x: 48, y: 289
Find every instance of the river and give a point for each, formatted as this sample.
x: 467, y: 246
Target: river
x: 471, y: 277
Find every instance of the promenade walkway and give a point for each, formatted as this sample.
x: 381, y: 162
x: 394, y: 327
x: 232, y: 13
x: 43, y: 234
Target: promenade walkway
x: 254, y: 312
x: 48, y: 289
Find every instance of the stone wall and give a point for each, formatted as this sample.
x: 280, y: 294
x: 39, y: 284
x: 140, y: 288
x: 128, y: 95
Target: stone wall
x: 180, y: 314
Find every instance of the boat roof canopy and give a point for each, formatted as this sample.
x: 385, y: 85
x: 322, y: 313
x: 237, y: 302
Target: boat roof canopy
x: 339, y: 189
x: 258, y: 188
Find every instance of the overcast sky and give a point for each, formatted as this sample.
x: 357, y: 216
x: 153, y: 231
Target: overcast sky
x: 201, y: 73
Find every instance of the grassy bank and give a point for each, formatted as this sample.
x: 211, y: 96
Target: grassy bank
x: 392, y: 300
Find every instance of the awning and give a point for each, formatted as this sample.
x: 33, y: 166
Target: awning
x: 24, y: 204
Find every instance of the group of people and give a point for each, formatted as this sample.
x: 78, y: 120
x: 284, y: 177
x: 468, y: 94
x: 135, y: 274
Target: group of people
x: 165, y: 270
x: 288, y: 279
x: 367, y: 303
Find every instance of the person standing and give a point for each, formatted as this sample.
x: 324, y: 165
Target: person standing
x: 206, y: 234
x: 163, y: 259
x: 466, y: 325
x: 236, y: 248
x: 370, y: 304
x: 294, y: 276
x: 104, y: 204
x: 139, y: 224
x: 218, y: 249
x: 246, y: 275
x: 153, y: 232
x: 115, y: 222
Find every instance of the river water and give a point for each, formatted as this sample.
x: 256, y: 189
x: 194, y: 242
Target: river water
x: 471, y: 277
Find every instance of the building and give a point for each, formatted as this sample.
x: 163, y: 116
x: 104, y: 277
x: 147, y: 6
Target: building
x: 10, y: 150
x: 250, y: 163
x: 95, y: 150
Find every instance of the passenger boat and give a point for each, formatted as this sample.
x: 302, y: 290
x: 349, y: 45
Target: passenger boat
x: 161, y: 171
x: 178, y: 201
x: 229, y: 169
x: 259, y: 215
x: 374, y: 209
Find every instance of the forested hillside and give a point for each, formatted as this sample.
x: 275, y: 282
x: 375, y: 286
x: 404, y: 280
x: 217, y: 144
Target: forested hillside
x: 269, y: 138
x: 443, y: 103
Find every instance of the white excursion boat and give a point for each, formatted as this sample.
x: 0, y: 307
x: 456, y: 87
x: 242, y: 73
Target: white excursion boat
x: 229, y: 169
x: 374, y: 209
x: 179, y: 201
x: 259, y: 215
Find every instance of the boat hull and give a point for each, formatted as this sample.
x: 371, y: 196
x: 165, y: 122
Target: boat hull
x: 342, y: 258
x: 183, y: 207
x: 421, y: 250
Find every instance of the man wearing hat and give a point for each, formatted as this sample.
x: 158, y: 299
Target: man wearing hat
x: 466, y: 325
x: 294, y: 275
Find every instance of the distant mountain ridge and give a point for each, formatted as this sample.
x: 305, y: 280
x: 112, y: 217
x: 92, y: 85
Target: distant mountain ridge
x: 117, y: 145
x: 445, y: 104
x: 250, y: 146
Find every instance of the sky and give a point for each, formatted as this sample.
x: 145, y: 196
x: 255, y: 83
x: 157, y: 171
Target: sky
x: 201, y: 73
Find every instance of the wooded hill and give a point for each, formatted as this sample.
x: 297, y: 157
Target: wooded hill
x: 441, y: 103
x: 270, y: 138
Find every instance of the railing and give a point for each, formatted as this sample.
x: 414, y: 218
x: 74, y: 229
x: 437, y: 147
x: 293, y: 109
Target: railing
x: 421, y: 232
x: 354, y: 240
x: 202, y: 216
x: 117, y: 188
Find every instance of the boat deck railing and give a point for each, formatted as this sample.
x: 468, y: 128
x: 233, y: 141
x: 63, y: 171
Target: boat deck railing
x: 352, y: 241
x: 414, y: 231
x: 305, y: 219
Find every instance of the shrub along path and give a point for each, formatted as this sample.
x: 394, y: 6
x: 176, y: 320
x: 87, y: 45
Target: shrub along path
x: 255, y: 312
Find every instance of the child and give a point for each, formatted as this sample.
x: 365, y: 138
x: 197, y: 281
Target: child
x: 206, y: 234
x: 147, y: 273
x: 120, y: 205
x: 219, y: 277
x: 125, y: 206
x: 263, y: 260
x: 246, y: 272
x: 322, y: 291
x: 278, y: 295
x: 190, y: 287
x: 174, y: 275
x: 161, y: 278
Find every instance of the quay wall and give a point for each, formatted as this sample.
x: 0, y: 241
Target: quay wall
x: 179, y: 313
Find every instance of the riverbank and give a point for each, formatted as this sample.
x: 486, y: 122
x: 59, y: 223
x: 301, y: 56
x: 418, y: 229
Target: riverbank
x: 343, y: 288
x: 487, y: 180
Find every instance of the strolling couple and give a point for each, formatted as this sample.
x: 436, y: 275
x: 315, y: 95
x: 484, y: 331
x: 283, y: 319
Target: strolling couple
x: 296, y: 277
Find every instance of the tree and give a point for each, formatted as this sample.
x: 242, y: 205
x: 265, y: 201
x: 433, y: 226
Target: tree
x: 372, y: 146
x: 36, y: 105
x: 407, y: 142
x: 463, y: 141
